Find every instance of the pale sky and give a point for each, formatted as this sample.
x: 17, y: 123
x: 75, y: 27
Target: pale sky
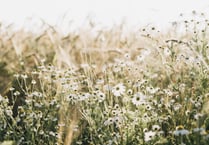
x: 106, y: 12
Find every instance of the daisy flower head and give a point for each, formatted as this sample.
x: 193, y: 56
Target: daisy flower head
x: 127, y: 56
x: 100, y: 80
x: 145, y: 130
x: 152, y: 90
x: 107, y: 88
x: 101, y: 96
x: 84, y: 96
x: 70, y: 97
x: 116, y: 68
x: 148, y: 107
x: 155, y: 127
x: 149, y: 135
x: 198, y: 116
x: 109, y: 121
x: 143, y: 55
x: 167, y: 52
x: 199, y: 130
x: 180, y: 131
x: 145, y: 117
x: 140, y: 58
x: 139, y: 99
x: 118, y: 90
x: 129, y: 92
x: 177, y: 107
x: 118, y: 120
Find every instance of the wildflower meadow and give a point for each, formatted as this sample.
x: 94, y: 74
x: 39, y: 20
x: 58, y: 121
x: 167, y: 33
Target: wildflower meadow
x: 105, y: 85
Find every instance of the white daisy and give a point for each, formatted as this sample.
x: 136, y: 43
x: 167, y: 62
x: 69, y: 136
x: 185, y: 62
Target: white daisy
x: 155, y: 127
x: 84, y: 96
x: 109, y: 121
x: 140, y: 58
x: 152, y: 90
x: 70, y: 97
x: 167, y: 51
x: 181, y: 132
x: 149, y: 135
x: 139, y: 99
x: 118, y: 90
x: 148, y: 107
x: 101, y: 96
x: 116, y: 68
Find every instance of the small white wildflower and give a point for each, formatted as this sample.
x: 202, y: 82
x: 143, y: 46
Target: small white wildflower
x: 37, y: 94
x: 117, y: 119
x: 201, y: 130
x: 79, y: 142
x: 16, y: 76
x: 145, y: 117
x: 155, y: 127
x: 177, y: 107
x: 70, y: 97
x: 145, y: 130
x: 101, y: 96
x: 100, y: 81
x: 188, y: 112
x: 41, y: 132
x: 198, y: 116
x: 127, y: 56
x: 168, y: 92
x: 139, y: 99
x: 140, y: 58
x: 118, y: 90
x: 116, y: 112
x: 84, y: 96
x: 152, y: 90
x: 109, y: 121
x: 116, y: 68
x: 148, y: 107
x: 33, y: 82
x: 181, y: 132
x: 11, y: 89
x: 130, y: 92
x: 9, y: 112
x: 108, y: 87
x: 52, y: 133
x: 38, y: 105
x: 167, y: 52
x: 72, y: 86
x: 146, y: 52
x: 24, y: 76
x: 149, y: 135
x: 16, y: 93
x: 122, y: 64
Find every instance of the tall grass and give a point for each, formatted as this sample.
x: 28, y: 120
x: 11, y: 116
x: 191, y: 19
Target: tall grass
x: 106, y: 86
